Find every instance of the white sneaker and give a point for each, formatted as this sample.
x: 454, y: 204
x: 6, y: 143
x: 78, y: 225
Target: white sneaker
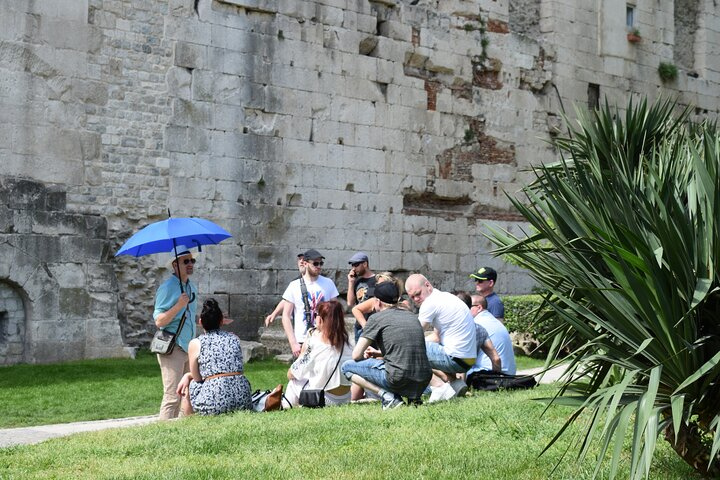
x: 460, y: 387
x: 446, y: 392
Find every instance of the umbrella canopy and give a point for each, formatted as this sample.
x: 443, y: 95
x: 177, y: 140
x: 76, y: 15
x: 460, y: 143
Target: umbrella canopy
x: 163, y: 236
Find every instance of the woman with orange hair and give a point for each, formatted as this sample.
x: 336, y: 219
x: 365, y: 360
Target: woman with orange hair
x: 325, y: 349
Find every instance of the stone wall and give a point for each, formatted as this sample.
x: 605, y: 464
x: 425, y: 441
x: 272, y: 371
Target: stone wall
x: 58, y: 293
x: 591, y: 47
x: 393, y: 127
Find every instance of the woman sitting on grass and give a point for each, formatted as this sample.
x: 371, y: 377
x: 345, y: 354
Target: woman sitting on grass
x: 318, y: 361
x: 216, y: 383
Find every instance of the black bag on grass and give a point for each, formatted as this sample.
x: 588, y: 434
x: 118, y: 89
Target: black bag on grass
x: 487, y: 380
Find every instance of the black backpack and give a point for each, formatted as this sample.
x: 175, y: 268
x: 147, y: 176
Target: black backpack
x: 487, y: 380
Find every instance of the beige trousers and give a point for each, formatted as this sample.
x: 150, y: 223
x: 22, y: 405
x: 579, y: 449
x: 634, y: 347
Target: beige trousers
x: 172, y: 369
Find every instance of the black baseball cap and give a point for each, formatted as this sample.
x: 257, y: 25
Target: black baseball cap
x: 485, y: 273
x: 387, y: 292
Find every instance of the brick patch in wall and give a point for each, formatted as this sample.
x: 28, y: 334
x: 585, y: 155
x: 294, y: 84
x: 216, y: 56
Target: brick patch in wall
x: 487, y: 212
x: 428, y: 203
x: 497, y: 26
x: 486, y: 74
x: 432, y: 88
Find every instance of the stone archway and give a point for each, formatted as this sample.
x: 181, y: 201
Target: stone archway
x: 12, y: 325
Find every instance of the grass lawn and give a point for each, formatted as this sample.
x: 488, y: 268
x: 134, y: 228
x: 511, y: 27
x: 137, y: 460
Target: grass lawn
x: 101, y: 389
x: 497, y: 434
x: 96, y: 389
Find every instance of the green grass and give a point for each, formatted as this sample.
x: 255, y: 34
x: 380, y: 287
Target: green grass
x: 523, y: 363
x: 110, y: 388
x: 498, y: 434
x: 96, y: 389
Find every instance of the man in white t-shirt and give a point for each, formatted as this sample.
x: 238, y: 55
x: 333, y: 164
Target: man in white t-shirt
x: 296, y: 320
x: 452, y: 347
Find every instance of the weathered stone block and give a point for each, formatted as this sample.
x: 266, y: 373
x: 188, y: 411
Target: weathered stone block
x: 190, y: 55
x: 69, y: 275
x: 178, y: 81
x: 396, y: 30
x: 82, y: 249
x: 55, y: 351
x: 180, y: 27
x: 195, y: 114
x: 74, y: 303
x: 253, y: 351
x: 186, y: 139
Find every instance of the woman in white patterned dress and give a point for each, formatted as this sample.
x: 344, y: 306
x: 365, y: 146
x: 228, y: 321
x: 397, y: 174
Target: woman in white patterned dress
x: 216, y: 382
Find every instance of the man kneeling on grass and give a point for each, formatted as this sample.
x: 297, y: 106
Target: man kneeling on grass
x: 399, y: 367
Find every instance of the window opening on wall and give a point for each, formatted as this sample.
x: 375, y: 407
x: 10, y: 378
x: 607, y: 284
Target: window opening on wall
x: 593, y: 93
x: 630, y: 16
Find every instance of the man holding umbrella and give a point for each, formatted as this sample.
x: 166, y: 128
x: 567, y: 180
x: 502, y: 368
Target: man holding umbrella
x: 174, y: 298
x: 175, y: 304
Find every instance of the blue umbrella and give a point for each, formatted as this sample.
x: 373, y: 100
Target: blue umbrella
x: 164, y: 236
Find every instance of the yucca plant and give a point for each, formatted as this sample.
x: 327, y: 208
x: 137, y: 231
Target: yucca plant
x: 625, y: 242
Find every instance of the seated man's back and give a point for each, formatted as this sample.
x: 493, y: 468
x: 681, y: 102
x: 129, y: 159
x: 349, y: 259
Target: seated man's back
x: 500, y: 337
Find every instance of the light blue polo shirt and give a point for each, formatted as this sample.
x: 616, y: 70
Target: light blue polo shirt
x: 166, y: 298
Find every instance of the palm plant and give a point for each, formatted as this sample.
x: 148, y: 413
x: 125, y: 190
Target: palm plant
x: 625, y: 242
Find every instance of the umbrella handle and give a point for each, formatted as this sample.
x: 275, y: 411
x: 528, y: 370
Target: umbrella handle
x: 192, y: 297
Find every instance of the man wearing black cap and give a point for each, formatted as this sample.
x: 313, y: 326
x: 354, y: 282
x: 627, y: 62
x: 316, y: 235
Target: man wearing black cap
x: 302, y: 296
x: 404, y: 370
x: 361, y: 281
x: 485, y: 278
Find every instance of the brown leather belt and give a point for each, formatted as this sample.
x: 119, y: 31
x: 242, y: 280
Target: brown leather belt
x: 217, y: 375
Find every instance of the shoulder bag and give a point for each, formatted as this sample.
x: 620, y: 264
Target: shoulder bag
x: 315, y: 398
x: 163, y: 342
x: 268, y: 400
x: 308, y: 311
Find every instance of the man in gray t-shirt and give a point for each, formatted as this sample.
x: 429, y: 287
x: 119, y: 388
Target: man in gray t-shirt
x: 404, y: 370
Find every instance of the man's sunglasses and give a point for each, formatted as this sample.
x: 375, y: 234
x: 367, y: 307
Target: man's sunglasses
x: 188, y: 261
x: 356, y: 264
x: 318, y: 264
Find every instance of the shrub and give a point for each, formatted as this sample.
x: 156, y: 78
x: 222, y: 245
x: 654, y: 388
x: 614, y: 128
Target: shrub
x: 522, y: 316
x: 626, y: 244
x: 667, y: 71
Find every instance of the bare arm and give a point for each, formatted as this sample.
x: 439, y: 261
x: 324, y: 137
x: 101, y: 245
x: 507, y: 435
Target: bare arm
x: 351, y: 299
x: 278, y: 310
x: 194, y: 373
x: 290, y: 375
x: 288, y: 327
x: 167, y: 316
x: 193, y: 354
x: 489, y: 349
x: 365, y: 308
x: 433, y: 336
x: 359, y: 350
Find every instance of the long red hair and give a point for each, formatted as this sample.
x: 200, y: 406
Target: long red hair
x: 333, y: 326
